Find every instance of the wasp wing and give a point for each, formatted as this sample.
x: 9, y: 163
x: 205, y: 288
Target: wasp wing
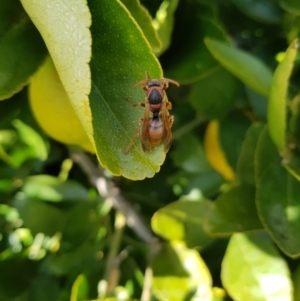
x: 145, y: 138
x: 167, y: 122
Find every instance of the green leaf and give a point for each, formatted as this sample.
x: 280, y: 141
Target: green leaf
x: 164, y: 23
x: 22, y: 47
x: 80, y: 289
x: 57, y: 21
x: 252, y: 269
x: 278, y: 97
x: 214, y: 94
x: 233, y: 130
x: 291, y: 6
x: 277, y: 197
x: 258, y: 104
x: 233, y: 211
x: 296, y: 282
x: 260, y: 10
x: 245, y: 164
x: 179, y: 272
x: 249, y: 69
x: 190, y: 156
x: 114, y: 74
x: 144, y: 20
x: 48, y: 219
x: 30, y: 137
x: 19, y: 272
x: 48, y: 188
x: 194, y: 62
x: 182, y: 220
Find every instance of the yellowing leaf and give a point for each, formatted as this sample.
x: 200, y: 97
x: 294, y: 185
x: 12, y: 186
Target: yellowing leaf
x: 64, y: 27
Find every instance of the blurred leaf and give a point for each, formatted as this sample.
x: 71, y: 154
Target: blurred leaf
x: 21, y: 46
x: 277, y: 197
x: 252, y: 269
x: 278, y: 97
x: 292, y: 6
x: 15, y: 277
x: 193, y: 61
x: 190, y: 155
x: 233, y: 211
x: 264, y: 11
x: 182, y: 220
x: 80, y: 289
x: 143, y: 18
x: 44, y: 287
x: 48, y: 188
x: 296, y: 282
x: 47, y: 218
x: 219, y: 294
x: 249, y: 69
x: 233, y: 130
x: 49, y: 101
x: 164, y: 22
x: 179, y: 272
x: 30, y: 137
x: 245, y: 164
x: 214, y: 94
x: 258, y: 103
x: 214, y: 151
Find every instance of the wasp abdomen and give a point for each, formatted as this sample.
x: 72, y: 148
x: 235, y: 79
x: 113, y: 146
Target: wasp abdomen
x: 156, y: 132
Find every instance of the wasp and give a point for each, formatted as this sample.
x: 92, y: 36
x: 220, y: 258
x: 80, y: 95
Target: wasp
x: 157, y: 121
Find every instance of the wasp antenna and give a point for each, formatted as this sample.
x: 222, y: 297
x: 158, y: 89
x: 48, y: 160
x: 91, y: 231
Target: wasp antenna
x: 171, y: 81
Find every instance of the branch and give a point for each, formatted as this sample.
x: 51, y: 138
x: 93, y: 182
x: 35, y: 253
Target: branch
x: 108, y: 190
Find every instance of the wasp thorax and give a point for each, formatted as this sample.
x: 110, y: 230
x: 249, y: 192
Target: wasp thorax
x: 155, y: 97
x: 154, y: 83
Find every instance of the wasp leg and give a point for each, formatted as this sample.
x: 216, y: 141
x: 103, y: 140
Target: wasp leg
x: 171, y: 120
x: 140, y: 104
x: 168, y: 105
x: 136, y: 135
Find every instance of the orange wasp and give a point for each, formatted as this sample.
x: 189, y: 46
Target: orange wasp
x: 157, y: 127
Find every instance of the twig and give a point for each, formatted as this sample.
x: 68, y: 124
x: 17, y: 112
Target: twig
x: 108, y: 190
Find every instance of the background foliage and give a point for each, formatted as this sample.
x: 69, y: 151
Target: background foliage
x: 218, y: 218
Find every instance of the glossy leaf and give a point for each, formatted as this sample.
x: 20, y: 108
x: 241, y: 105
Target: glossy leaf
x: 292, y: 6
x: 144, y: 20
x: 260, y: 10
x: 252, y: 269
x: 164, y: 23
x: 214, y: 94
x: 179, y: 272
x: 80, y: 289
x: 182, y: 220
x: 249, y: 69
x: 277, y: 197
x: 114, y: 74
x: 195, y: 62
x: 245, y: 164
x: 233, y: 211
x: 48, y: 188
x: 22, y: 47
x: 279, y: 96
